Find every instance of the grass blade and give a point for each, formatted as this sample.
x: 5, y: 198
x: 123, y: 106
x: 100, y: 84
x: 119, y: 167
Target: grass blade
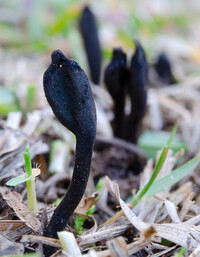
x: 172, y: 178
x: 173, y: 133
x: 31, y: 98
x: 27, y: 159
x: 157, y: 169
x: 18, y: 180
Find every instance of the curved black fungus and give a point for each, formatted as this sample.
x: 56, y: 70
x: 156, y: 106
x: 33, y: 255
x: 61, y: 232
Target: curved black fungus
x: 69, y: 94
x: 89, y: 33
x: 115, y: 78
x: 138, y: 91
x: 163, y: 69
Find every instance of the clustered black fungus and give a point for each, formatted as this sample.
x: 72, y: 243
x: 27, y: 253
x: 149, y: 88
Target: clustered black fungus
x: 138, y: 92
x: 122, y: 81
x: 69, y: 94
x: 115, y: 78
x: 91, y: 42
x: 163, y: 69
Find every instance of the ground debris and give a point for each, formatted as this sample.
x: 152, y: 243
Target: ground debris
x: 14, y: 200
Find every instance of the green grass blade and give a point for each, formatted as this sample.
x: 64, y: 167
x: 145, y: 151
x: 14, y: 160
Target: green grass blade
x: 173, y: 133
x: 157, y: 169
x: 27, y: 159
x: 30, y: 184
x: 181, y: 252
x: 31, y: 196
x: 31, y: 98
x: 172, y: 178
x: 151, y: 141
x: 18, y: 180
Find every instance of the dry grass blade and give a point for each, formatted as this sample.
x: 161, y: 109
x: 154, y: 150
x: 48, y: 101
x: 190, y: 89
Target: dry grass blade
x: 108, y: 232
x: 138, y: 245
x: 14, y: 201
x: 69, y: 243
x: 186, y: 206
x: 196, y: 252
x: 41, y: 240
x: 118, y: 247
x: 10, y: 224
x: 162, y: 253
x: 171, y: 209
x: 8, y: 247
x: 181, y: 234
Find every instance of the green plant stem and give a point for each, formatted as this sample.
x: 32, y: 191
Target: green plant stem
x: 173, y: 133
x: 30, y: 184
x: 31, y: 195
x: 157, y: 169
x: 30, y: 98
x: 27, y: 159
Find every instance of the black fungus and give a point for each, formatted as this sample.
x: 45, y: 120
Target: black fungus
x: 69, y: 94
x: 115, y: 78
x: 137, y: 91
x: 163, y: 69
x: 91, y: 42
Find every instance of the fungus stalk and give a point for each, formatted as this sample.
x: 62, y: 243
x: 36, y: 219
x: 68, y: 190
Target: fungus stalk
x: 89, y: 32
x: 138, y: 92
x: 69, y: 94
x: 115, y: 81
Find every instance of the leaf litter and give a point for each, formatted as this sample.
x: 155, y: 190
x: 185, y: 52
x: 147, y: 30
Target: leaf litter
x: 172, y: 214
x: 150, y: 220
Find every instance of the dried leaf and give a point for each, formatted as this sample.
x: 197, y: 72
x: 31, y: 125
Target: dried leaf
x: 86, y: 204
x: 12, y: 199
x: 118, y: 247
x: 41, y: 240
x: 171, y: 209
x: 8, y: 247
x: 6, y: 225
x: 181, y: 234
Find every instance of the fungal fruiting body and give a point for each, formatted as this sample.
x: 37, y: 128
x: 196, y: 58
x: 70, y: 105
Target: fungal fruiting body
x: 115, y: 78
x: 137, y: 91
x: 91, y: 42
x: 69, y: 94
x: 163, y: 69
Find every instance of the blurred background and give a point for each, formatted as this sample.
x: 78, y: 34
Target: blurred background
x: 30, y: 30
x: 33, y: 28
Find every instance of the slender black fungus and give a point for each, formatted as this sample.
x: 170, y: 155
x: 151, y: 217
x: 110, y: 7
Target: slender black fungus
x: 91, y: 42
x: 115, y: 78
x: 138, y: 91
x: 69, y: 94
x: 163, y: 69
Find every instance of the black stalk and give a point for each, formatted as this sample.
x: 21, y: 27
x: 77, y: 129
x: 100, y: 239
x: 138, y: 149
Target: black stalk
x: 91, y: 42
x: 138, y: 92
x: 68, y: 92
x: 115, y: 79
x: 164, y: 70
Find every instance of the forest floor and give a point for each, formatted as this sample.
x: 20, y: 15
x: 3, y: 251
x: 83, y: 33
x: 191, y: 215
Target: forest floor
x: 166, y: 220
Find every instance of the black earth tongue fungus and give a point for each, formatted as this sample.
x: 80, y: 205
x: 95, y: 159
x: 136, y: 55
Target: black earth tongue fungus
x: 115, y: 78
x: 91, y: 42
x: 163, y: 69
x: 138, y: 92
x: 68, y: 92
